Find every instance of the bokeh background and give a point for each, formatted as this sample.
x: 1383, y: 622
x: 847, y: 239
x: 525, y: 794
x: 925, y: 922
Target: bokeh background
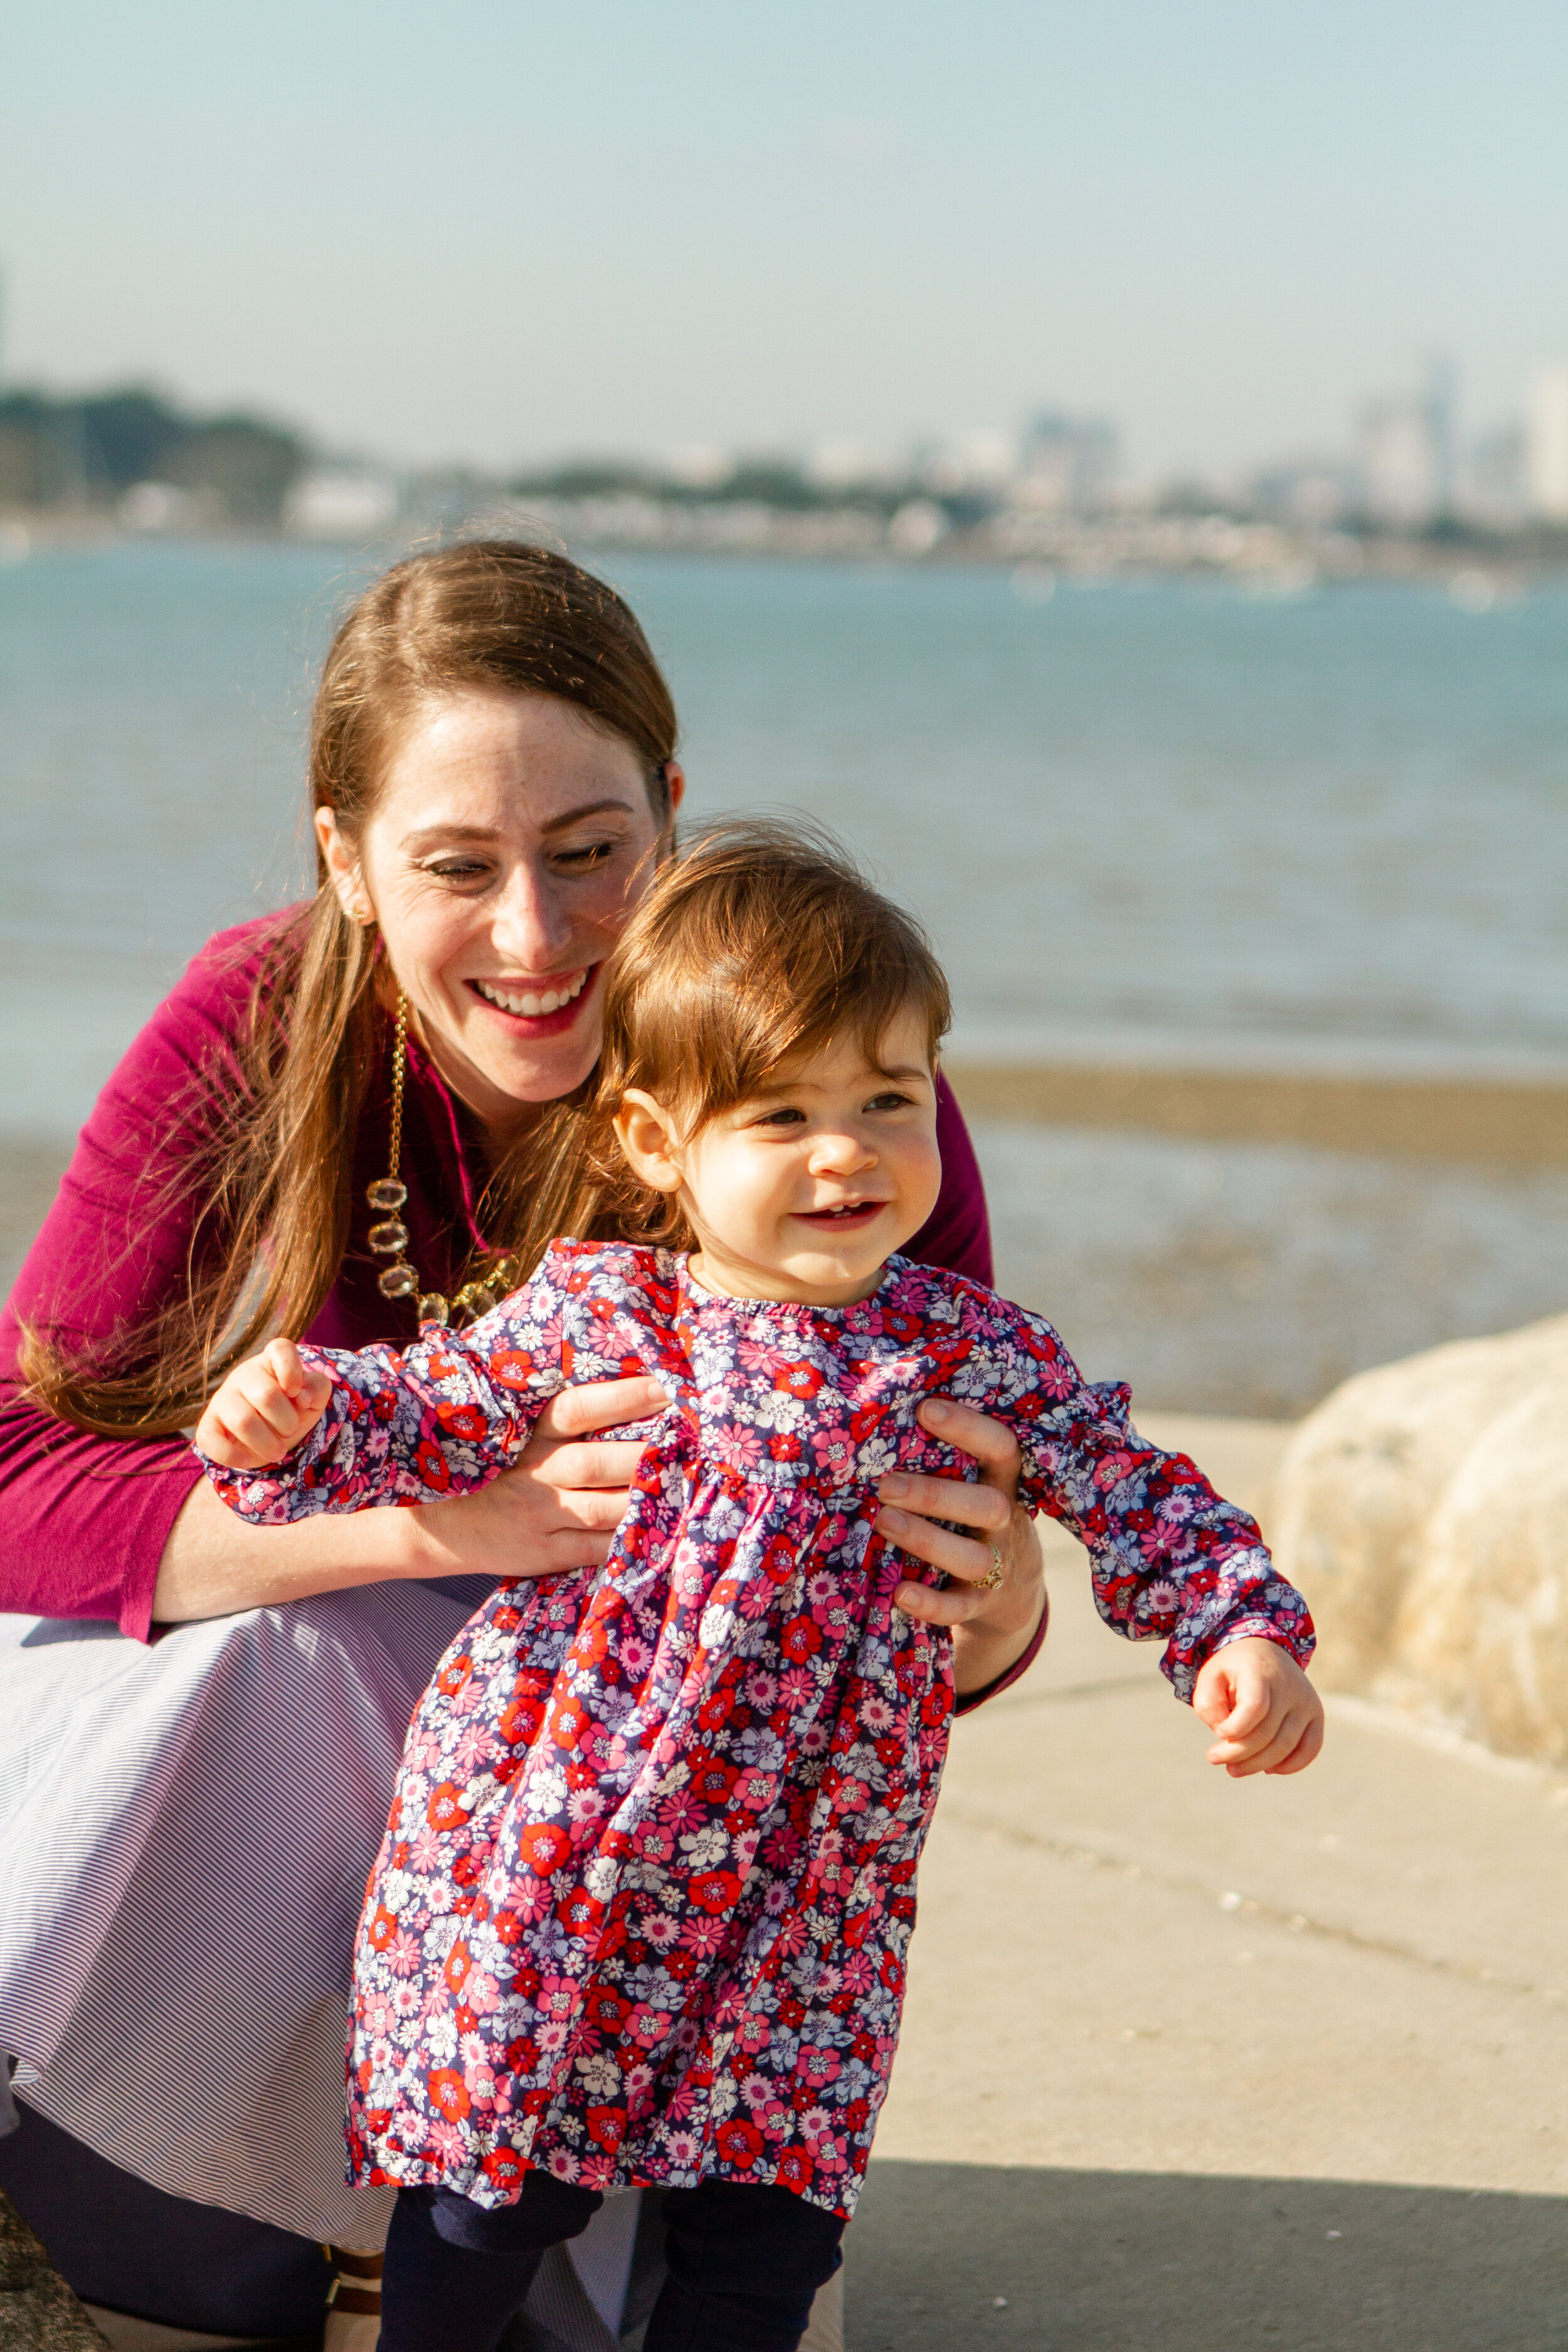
x: 1112, y: 464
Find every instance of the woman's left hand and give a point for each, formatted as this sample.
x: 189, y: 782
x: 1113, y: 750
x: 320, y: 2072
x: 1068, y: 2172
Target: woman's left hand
x: 991, y: 1629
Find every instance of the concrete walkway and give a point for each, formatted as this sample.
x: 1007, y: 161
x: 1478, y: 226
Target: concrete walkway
x: 1193, y: 2063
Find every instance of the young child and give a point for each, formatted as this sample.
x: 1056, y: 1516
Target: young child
x: 642, y: 1910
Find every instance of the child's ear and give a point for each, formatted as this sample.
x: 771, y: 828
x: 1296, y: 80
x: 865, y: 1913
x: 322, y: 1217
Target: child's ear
x: 649, y: 1138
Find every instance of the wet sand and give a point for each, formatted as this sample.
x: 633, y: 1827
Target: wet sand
x: 1480, y: 1123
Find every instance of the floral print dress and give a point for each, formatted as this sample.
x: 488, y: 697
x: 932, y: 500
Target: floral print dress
x: 643, y: 1907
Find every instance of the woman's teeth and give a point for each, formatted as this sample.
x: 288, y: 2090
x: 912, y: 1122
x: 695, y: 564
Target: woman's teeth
x: 549, y: 999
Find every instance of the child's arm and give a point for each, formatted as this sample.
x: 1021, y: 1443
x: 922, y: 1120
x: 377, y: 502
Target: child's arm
x: 1170, y: 1558
x: 437, y: 1419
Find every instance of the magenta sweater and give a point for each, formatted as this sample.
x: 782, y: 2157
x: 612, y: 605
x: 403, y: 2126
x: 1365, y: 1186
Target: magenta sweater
x: 83, y: 1520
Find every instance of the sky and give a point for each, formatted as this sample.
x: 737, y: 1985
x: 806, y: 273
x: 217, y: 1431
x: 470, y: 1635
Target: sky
x: 495, y: 232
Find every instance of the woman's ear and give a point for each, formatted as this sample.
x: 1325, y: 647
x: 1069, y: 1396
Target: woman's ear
x: 342, y: 864
x: 650, y: 1141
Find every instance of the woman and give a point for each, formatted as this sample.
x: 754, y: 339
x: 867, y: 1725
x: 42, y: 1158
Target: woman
x: 336, y: 1110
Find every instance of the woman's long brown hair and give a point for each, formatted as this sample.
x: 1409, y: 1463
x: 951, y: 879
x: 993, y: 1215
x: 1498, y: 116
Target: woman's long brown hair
x: 267, y: 1185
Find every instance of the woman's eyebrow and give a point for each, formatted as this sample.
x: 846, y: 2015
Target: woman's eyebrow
x: 424, y: 836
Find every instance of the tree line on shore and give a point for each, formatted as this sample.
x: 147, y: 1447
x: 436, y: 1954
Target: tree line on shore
x: 86, y: 451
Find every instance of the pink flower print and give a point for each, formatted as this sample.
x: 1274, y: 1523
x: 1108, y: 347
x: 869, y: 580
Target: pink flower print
x: 562, y: 2164
x: 834, y: 1453
x: 817, y: 2067
x: 685, y: 2150
x: 704, y: 1935
x: 761, y: 1690
x: 637, y: 1656
x: 735, y: 1444
x: 876, y: 1713
x: 403, y: 1954
x: 660, y: 1930
x: 481, y: 1993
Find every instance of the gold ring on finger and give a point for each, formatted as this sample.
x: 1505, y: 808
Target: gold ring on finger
x: 988, y: 1583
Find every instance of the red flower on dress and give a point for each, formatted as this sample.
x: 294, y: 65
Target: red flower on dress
x: 542, y: 1847
x: 449, y: 2094
x: 432, y: 1466
x: 800, y: 1640
x: 446, y: 1810
x: 738, y: 2143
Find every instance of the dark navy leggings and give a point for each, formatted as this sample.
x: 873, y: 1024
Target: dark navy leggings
x: 745, y: 2264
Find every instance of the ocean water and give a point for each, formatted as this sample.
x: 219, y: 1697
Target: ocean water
x: 1326, y: 828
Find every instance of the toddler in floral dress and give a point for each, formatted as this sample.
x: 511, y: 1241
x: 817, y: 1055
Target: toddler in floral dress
x: 643, y: 1907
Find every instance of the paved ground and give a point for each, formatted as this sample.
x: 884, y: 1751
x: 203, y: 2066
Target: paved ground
x: 1190, y: 2063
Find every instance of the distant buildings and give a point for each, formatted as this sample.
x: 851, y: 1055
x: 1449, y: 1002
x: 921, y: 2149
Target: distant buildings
x: 1546, y: 442
x: 1067, y: 465
x: 1406, y: 453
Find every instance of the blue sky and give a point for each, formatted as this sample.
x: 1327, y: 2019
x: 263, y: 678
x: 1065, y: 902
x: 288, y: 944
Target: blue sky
x: 502, y: 231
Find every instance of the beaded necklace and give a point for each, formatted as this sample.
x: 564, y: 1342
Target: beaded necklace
x: 389, y: 1238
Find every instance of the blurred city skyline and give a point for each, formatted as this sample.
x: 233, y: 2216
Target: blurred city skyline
x: 1229, y: 241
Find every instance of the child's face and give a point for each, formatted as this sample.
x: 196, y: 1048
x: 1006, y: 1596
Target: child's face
x: 802, y: 1192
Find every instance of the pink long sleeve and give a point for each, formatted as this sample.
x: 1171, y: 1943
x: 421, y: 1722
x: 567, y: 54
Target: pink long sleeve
x: 84, y: 1520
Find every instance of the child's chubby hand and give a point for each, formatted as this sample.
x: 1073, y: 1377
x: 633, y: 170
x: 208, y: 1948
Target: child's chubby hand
x: 263, y: 1409
x: 1264, y: 1713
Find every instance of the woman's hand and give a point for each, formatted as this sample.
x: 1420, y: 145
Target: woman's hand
x: 991, y: 1630
x: 1266, y: 1716
x: 560, y: 1503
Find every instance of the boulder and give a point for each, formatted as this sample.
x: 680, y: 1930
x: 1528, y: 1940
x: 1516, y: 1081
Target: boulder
x: 1423, y: 1509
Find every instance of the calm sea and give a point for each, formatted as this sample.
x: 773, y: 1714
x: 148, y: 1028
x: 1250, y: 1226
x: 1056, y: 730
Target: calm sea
x: 1327, y: 828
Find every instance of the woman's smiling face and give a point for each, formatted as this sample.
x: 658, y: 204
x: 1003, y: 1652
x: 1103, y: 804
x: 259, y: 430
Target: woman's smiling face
x: 508, y: 844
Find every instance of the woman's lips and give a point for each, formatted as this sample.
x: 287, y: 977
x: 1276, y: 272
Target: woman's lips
x: 563, y: 996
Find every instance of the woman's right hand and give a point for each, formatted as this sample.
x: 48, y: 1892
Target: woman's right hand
x: 560, y: 1503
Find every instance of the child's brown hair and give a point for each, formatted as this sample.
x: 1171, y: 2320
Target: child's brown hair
x: 761, y: 943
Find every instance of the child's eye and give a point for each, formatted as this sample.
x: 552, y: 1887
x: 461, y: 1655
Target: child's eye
x: 783, y: 1117
x: 891, y: 1101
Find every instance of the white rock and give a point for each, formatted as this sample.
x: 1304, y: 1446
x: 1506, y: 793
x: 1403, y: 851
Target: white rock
x: 1424, y: 1511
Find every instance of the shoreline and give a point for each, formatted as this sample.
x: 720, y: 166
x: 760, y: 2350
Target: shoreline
x: 1478, y: 1122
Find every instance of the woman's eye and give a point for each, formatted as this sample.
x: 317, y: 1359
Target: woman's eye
x: 591, y: 854
x: 459, y: 869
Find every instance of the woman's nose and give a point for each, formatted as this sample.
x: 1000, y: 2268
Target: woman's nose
x: 532, y: 929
